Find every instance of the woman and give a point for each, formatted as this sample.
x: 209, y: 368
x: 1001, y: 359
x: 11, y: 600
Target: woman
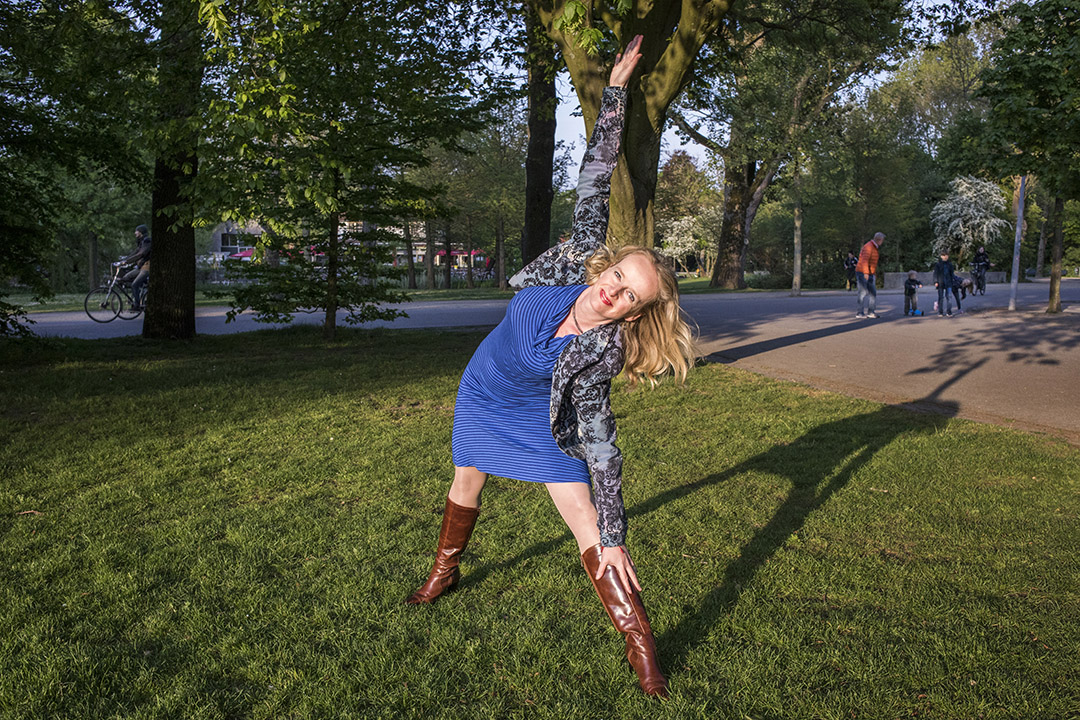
x: 533, y: 403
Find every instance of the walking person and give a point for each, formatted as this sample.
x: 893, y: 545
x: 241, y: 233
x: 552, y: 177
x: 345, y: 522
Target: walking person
x: 865, y: 271
x: 980, y: 263
x: 533, y: 404
x: 849, y: 270
x: 943, y: 281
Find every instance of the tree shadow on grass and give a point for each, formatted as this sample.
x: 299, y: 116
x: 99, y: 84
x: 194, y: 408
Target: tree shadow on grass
x: 815, y: 478
x: 268, y: 362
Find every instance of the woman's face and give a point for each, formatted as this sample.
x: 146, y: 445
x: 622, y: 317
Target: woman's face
x: 624, y: 289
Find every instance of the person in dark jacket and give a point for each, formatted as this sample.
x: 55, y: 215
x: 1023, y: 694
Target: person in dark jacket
x: 943, y: 281
x: 980, y: 263
x: 140, y: 258
x: 533, y: 403
x: 849, y: 269
x: 911, y: 290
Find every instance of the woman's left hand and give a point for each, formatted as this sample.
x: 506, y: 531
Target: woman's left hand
x: 625, y: 63
x: 619, y: 559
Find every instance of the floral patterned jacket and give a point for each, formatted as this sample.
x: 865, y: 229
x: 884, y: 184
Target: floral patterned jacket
x: 582, y: 422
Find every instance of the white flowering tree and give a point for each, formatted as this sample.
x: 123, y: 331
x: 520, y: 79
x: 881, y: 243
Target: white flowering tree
x: 680, y: 239
x: 969, y: 217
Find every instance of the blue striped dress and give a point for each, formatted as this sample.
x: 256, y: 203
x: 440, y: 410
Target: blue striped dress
x: 502, y: 422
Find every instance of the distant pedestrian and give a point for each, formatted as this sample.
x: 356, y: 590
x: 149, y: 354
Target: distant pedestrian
x: 943, y: 281
x: 911, y: 290
x: 849, y: 269
x: 980, y: 263
x: 865, y: 271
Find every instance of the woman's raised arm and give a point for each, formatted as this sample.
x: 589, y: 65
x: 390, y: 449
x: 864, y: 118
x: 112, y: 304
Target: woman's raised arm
x: 564, y: 264
x: 598, y: 163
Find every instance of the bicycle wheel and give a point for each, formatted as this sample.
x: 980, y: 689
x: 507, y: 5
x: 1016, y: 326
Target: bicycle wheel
x: 102, y: 305
x: 127, y: 311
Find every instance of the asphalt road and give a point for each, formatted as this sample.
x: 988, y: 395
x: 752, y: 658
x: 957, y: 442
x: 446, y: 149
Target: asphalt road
x: 1019, y: 369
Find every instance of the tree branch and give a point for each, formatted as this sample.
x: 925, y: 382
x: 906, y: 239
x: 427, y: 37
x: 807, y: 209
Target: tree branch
x: 700, y: 139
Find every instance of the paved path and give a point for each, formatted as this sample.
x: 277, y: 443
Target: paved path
x: 1020, y: 369
x: 1017, y: 369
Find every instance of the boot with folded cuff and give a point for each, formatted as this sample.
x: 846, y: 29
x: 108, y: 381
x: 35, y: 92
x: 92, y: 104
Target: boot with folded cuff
x: 627, y: 613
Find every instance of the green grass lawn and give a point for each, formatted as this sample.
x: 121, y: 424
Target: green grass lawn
x: 227, y: 529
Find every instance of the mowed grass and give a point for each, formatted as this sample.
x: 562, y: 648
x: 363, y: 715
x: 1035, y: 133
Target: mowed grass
x: 227, y: 529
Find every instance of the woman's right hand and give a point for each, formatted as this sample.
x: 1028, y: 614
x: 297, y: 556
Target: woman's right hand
x: 625, y: 63
x: 619, y: 560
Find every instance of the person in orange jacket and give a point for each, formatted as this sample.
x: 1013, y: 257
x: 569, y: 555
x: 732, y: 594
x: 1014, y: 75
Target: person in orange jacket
x: 864, y: 275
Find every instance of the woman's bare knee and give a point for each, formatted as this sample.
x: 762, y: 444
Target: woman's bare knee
x: 574, y: 503
x: 467, y: 486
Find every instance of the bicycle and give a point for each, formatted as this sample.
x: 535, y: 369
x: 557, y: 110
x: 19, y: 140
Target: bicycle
x: 111, y: 300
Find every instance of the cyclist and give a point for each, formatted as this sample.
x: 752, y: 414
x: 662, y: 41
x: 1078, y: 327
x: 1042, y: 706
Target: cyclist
x: 140, y: 258
x: 979, y: 265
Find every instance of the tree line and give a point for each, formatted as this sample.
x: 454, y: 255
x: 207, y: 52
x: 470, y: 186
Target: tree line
x: 441, y: 117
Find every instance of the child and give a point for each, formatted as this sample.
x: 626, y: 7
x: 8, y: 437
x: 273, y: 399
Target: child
x: 911, y: 287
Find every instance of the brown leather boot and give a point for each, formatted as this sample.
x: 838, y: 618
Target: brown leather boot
x: 457, y: 525
x: 627, y: 612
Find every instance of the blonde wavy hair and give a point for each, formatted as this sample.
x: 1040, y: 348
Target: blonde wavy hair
x: 659, y: 340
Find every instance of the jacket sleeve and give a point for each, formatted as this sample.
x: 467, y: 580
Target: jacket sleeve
x: 138, y: 254
x: 596, y: 427
x: 564, y: 264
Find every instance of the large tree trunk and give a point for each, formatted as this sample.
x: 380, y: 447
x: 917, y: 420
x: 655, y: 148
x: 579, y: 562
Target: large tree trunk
x: 731, y: 245
x: 540, y: 158
x: 745, y: 183
x: 1055, y: 268
x: 633, y: 184
x: 409, y: 250
x: 333, y: 266
x: 170, y: 304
